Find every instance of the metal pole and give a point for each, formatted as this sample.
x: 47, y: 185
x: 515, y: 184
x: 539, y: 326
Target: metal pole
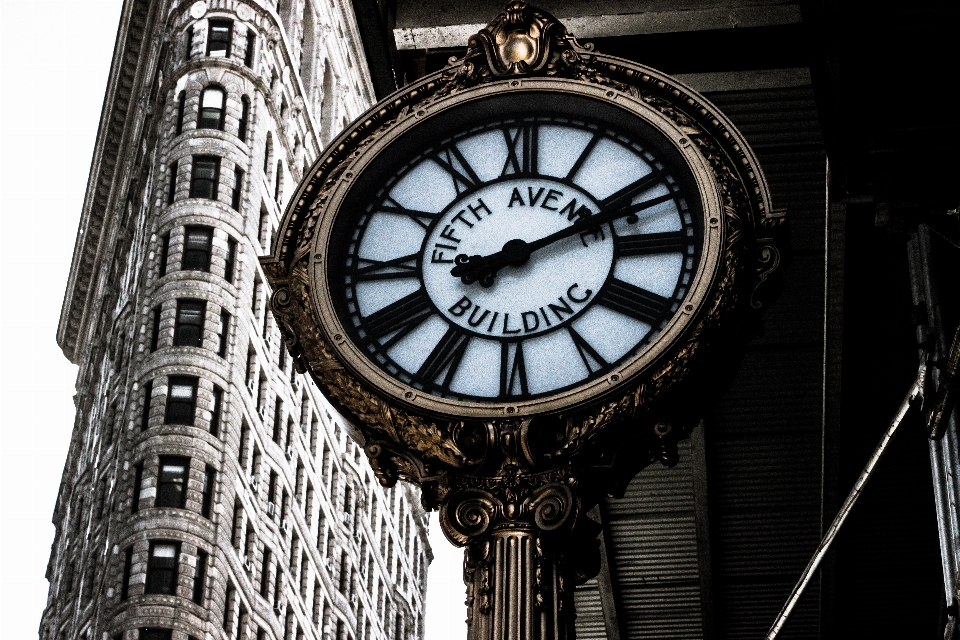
x: 915, y: 392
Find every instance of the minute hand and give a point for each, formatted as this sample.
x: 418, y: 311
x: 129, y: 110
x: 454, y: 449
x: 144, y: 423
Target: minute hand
x: 516, y: 252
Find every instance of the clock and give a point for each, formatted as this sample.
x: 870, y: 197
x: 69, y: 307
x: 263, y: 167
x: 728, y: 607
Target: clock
x: 525, y: 247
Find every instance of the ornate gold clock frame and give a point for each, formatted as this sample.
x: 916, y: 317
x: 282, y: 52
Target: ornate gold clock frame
x: 512, y: 482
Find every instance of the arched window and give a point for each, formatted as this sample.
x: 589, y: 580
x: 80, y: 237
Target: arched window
x: 211, y: 108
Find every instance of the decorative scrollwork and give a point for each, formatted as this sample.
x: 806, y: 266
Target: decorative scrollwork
x: 552, y: 506
x: 468, y: 515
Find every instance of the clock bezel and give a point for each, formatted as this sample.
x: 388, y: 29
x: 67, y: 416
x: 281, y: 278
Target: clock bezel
x: 335, y: 332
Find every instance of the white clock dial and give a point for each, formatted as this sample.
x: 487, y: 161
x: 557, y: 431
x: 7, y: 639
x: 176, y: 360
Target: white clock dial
x: 517, y: 259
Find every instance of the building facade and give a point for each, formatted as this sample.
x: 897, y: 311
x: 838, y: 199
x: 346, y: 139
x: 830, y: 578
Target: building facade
x: 210, y: 491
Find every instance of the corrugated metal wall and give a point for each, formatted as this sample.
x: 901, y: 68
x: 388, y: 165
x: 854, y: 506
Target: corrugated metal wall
x: 763, y: 443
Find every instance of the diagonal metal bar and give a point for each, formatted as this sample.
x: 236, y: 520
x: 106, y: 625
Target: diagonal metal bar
x: 913, y: 395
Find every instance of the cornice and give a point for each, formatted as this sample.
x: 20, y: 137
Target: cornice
x: 123, y: 88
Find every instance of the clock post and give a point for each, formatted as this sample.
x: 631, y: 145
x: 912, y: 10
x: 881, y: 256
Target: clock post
x: 521, y: 278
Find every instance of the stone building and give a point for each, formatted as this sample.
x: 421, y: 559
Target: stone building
x: 210, y: 491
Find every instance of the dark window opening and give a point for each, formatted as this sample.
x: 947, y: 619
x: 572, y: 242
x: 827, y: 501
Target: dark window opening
x: 172, y: 482
x: 155, y: 330
x: 197, y: 243
x: 164, y: 252
x: 127, y: 566
x: 162, y: 567
x: 219, y: 38
x: 237, y: 189
x: 147, y: 400
x: 204, y: 177
x: 211, y: 108
x: 181, y: 400
x: 181, y: 105
x: 224, y: 334
x: 199, y: 576
x: 189, y: 42
x: 188, y: 330
x: 215, y: 412
x: 137, y: 481
x: 244, y: 118
x: 209, y: 482
x: 251, y: 48
x: 230, y: 261
x: 172, y: 185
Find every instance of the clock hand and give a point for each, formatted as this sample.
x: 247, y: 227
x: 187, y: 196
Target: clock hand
x: 516, y: 252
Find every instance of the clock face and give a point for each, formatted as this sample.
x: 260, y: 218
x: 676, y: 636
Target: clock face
x: 516, y: 257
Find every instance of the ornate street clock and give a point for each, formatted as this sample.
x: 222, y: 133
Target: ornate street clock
x: 509, y: 271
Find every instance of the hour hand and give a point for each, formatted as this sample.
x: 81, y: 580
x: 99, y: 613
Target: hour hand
x: 483, y: 269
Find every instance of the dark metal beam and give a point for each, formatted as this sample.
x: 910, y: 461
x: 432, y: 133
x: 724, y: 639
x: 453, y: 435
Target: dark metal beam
x: 605, y: 579
x: 376, y: 37
x: 701, y: 515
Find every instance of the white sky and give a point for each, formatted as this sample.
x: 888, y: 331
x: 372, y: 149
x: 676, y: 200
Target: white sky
x: 54, y: 61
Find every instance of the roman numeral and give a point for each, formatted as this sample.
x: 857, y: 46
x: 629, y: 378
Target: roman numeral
x: 445, y: 358
x: 583, y: 156
x: 422, y: 218
x: 634, y: 302
x: 591, y: 359
x: 453, y: 162
x: 646, y: 244
x: 403, y: 267
x: 513, y: 371
x: 521, y: 150
x: 623, y: 196
x: 397, y: 319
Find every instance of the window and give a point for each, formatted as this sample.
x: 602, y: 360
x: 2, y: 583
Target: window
x: 244, y: 118
x: 224, y: 334
x: 147, y: 400
x: 265, y: 572
x: 211, y: 108
x: 219, y: 37
x: 181, y: 105
x: 196, y: 248
x: 162, y: 567
x: 156, y: 634
x: 263, y: 234
x: 255, y: 297
x: 251, y: 48
x: 127, y: 566
x: 204, y: 177
x: 189, y: 42
x: 137, y: 482
x: 181, y: 400
x: 172, y: 482
x: 237, y: 188
x: 230, y: 260
x: 209, y: 482
x: 268, y: 154
x: 278, y: 186
x: 164, y: 252
x: 155, y: 330
x: 216, y: 411
x: 200, y: 576
x: 188, y: 330
x: 172, y: 184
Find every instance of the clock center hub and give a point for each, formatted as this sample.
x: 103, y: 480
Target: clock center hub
x: 538, y: 284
